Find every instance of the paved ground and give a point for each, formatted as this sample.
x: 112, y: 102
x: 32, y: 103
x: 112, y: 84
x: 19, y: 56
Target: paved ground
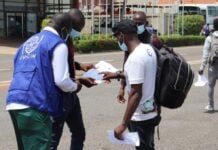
x: 187, y: 128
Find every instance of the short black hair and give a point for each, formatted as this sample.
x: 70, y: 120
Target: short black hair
x: 215, y: 24
x: 61, y: 20
x: 78, y: 19
x: 125, y: 26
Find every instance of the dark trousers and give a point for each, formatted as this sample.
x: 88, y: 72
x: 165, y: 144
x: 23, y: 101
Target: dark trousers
x: 73, y: 118
x: 145, y: 130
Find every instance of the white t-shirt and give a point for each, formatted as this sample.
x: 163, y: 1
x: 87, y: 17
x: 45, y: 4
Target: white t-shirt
x: 141, y: 67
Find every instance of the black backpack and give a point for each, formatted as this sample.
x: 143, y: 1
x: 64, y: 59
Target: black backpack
x: 173, y: 79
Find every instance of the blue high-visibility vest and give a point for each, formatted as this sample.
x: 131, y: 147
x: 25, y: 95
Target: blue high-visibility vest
x: 33, y: 80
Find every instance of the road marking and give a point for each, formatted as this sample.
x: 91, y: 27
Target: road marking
x: 1, y: 70
x: 98, y: 54
x: 194, y: 62
x: 7, y: 52
x: 7, y: 82
x: 4, y: 84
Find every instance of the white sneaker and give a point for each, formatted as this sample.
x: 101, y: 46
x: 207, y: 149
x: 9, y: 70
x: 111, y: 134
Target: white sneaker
x: 209, y: 108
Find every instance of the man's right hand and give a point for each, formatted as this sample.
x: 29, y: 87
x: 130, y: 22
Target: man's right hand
x: 108, y: 75
x: 201, y: 71
x: 120, y: 96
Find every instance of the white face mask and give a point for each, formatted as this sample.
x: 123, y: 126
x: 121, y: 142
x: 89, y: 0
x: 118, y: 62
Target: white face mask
x: 74, y: 33
x: 123, y: 46
x: 141, y: 29
x: 150, y: 30
x: 66, y: 38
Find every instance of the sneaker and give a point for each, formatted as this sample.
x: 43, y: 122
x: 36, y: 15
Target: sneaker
x: 209, y: 108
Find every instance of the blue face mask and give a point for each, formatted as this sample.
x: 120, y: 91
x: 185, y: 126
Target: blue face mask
x: 123, y: 46
x: 74, y: 33
x: 141, y: 29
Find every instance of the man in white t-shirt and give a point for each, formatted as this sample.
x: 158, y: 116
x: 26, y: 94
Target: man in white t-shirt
x: 139, y: 72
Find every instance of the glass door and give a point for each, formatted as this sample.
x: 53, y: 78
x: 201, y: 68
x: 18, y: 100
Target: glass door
x: 15, y: 25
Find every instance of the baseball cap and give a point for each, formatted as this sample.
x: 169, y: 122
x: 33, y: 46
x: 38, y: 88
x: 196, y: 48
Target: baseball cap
x: 125, y: 26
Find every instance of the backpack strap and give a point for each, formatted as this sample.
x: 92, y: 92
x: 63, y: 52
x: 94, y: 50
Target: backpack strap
x: 158, y: 112
x: 212, y: 38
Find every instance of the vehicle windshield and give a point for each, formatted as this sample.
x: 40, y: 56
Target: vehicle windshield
x: 190, y: 10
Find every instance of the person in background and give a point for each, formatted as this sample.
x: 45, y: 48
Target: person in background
x: 144, y: 32
x: 210, y: 57
x: 71, y: 103
x: 205, y: 30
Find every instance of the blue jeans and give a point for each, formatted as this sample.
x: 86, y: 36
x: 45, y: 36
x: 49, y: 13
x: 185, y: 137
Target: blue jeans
x: 145, y: 130
x: 73, y: 118
x: 212, y: 77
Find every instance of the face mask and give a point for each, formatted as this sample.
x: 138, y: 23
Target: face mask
x: 74, y: 33
x: 123, y: 46
x: 149, y: 29
x: 63, y: 33
x: 66, y: 38
x: 141, y: 29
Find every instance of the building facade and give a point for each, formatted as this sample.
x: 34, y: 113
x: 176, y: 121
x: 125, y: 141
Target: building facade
x: 188, y: 1
x: 23, y: 18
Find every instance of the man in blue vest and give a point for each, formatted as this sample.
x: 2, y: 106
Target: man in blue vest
x: 41, y: 73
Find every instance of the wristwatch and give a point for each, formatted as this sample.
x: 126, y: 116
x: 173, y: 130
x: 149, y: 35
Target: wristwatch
x: 118, y: 75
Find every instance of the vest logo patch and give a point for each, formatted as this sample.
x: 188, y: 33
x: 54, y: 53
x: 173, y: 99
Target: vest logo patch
x: 29, y: 47
x: 149, y: 52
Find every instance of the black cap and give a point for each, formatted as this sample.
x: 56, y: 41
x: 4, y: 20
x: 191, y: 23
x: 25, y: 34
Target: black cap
x: 125, y: 26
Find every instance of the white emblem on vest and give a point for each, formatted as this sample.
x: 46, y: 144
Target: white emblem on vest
x: 29, y: 47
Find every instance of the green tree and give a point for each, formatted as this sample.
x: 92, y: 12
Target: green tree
x: 192, y: 24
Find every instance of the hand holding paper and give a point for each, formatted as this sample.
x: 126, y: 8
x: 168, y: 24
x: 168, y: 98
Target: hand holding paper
x: 202, y: 80
x: 101, y: 66
x: 131, y: 138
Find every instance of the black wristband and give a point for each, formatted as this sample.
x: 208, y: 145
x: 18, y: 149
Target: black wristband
x: 118, y: 75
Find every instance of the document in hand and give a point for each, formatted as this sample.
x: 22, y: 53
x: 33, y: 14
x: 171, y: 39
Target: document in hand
x: 95, y: 74
x: 105, y: 66
x: 131, y: 138
x: 202, y: 80
x: 100, y: 67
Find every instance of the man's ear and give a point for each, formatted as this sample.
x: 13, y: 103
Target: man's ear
x: 120, y: 33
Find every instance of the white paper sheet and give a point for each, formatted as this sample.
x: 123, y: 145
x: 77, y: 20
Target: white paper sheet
x: 105, y: 66
x: 94, y: 73
x: 201, y: 81
x: 130, y: 138
x: 99, y: 67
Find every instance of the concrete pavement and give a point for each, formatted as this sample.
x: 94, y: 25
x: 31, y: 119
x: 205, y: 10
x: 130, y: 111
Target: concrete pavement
x: 186, y: 128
